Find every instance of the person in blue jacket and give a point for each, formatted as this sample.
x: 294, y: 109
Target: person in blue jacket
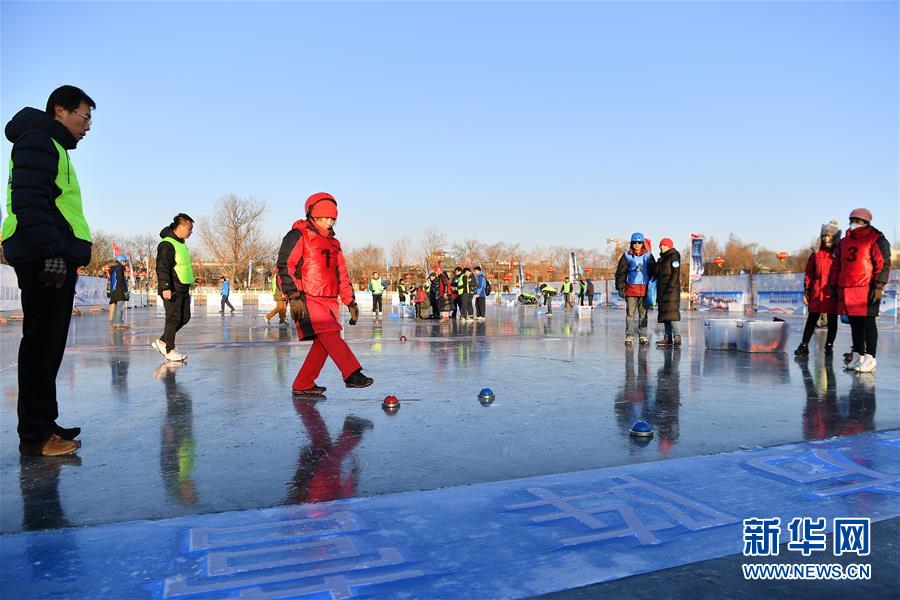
x: 480, y: 293
x: 226, y: 291
x: 633, y: 274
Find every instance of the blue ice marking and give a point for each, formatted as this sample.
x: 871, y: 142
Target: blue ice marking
x: 821, y: 465
x: 278, y: 565
x: 632, y: 507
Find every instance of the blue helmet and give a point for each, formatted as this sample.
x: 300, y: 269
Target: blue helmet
x: 637, y: 237
x: 121, y: 258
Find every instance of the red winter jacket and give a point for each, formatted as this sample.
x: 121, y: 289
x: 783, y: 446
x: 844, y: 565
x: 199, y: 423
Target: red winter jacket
x: 311, y: 261
x: 815, y: 284
x: 862, y: 262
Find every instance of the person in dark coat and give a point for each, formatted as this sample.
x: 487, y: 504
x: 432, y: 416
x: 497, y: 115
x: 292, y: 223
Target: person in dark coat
x: 46, y: 238
x: 668, y: 292
x: 589, y: 291
x: 174, y: 278
x: 118, y: 292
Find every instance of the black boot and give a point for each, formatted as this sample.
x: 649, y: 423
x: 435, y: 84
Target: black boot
x: 358, y: 380
x: 315, y: 390
x: 829, y: 349
x: 802, y: 350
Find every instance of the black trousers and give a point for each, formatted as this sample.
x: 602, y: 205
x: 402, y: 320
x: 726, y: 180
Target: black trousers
x: 465, y: 305
x: 376, y: 303
x: 45, y: 328
x: 813, y: 319
x: 178, y: 313
x: 479, y: 305
x: 864, y: 333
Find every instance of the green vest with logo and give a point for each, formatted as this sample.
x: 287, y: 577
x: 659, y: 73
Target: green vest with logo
x: 377, y: 286
x: 182, y: 261
x: 68, y: 202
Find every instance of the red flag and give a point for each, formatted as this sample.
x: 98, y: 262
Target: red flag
x: 116, y: 250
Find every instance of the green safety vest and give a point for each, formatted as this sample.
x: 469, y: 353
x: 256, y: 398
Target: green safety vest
x: 377, y: 285
x: 566, y: 288
x: 274, y: 284
x: 182, y: 261
x: 549, y: 289
x: 68, y: 202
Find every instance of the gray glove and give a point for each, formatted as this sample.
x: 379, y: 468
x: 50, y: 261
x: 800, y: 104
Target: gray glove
x: 54, y: 273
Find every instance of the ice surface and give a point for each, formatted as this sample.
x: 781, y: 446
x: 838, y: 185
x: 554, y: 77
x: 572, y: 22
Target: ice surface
x: 223, y: 431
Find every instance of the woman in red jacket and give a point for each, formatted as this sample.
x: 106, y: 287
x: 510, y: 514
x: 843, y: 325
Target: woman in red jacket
x: 817, y: 291
x: 861, y: 269
x: 313, y: 276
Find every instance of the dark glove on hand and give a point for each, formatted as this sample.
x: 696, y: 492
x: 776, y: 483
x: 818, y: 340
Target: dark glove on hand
x: 54, y: 273
x: 299, y: 312
x: 354, y: 312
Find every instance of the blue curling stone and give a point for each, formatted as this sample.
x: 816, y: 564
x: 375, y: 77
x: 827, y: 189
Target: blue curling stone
x: 486, y: 396
x: 641, y: 429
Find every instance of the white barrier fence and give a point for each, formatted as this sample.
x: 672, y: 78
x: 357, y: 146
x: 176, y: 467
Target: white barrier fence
x: 89, y: 291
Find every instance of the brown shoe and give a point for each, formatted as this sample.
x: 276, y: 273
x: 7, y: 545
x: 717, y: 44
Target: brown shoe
x: 54, y: 446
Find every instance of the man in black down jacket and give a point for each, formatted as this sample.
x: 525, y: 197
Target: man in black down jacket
x: 46, y: 238
x: 668, y: 292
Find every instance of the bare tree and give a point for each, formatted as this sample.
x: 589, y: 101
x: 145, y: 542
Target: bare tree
x: 468, y: 253
x: 400, y: 253
x: 101, y: 252
x: 232, y: 236
x: 362, y: 261
x: 433, y: 242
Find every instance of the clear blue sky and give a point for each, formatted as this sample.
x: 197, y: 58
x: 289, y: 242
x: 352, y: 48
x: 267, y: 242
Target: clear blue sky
x: 542, y: 123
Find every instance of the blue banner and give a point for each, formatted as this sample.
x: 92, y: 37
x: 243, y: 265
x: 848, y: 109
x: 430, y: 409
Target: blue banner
x: 696, y: 258
x: 725, y: 301
x: 784, y: 303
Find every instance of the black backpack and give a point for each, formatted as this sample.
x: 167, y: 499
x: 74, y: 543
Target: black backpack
x: 487, y: 286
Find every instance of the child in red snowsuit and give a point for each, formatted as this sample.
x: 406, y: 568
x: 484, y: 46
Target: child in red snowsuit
x: 313, y: 276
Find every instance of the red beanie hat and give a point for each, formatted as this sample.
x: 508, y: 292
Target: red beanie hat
x: 667, y: 242
x: 321, y: 204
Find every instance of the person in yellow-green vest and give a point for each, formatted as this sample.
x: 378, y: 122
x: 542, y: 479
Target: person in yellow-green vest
x: 567, y: 294
x: 174, y: 277
x: 45, y: 239
x: 376, y: 286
